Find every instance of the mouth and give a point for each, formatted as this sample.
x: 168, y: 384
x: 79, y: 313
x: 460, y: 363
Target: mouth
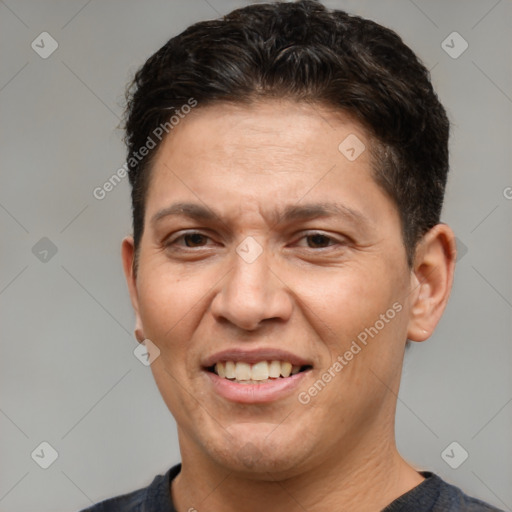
x: 256, y: 376
x: 260, y: 373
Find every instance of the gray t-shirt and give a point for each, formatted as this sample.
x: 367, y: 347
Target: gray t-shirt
x: 431, y: 495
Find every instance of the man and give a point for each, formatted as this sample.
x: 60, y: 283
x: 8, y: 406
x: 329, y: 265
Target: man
x: 288, y: 166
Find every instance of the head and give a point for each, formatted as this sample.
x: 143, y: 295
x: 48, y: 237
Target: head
x: 288, y: 166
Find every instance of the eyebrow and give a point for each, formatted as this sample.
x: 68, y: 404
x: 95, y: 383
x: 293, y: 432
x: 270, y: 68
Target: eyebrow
x: 310, y: 211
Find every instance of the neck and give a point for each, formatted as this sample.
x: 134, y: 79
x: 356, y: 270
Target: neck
x: 367, y: 478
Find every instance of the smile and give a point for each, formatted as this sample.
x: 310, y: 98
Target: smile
x: 256, y: 376
x: 261, y: 372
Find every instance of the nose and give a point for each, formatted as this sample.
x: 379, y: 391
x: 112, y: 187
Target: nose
x: 251, y: 293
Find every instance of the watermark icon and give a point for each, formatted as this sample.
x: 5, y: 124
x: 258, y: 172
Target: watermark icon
x: 507, y: 192
x: 146, y: 352
x: 454, y: 455
x: 454, y: 45
x: 44, y: 250
x: 44, y: 455
x: 44, y: 45
x: 305, y: 397
x: 249, y: 250
x: 136, y: 157
x: 351, y: 147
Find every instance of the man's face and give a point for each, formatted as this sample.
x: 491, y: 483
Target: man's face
x: 265, y: 278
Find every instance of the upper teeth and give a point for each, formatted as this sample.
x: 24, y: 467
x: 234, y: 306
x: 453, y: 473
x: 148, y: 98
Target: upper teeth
x: 259, y: 371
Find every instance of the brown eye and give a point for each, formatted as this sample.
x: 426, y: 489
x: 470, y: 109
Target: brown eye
x: 318, y: 240
x: 191, y: 240
x: 194, y: 239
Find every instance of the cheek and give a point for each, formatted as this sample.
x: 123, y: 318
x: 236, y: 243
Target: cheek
x: 360, y: 316
x: 348, y: 300
x: 364, y: 348
x: 170, y: 306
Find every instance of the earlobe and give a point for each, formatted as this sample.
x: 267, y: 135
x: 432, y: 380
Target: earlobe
x: 127, y: 254
x: 431, y: 282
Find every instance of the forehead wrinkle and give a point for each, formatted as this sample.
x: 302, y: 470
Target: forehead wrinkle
x: 185, y: 209
x: 315, y: 210
x: 289, y: 214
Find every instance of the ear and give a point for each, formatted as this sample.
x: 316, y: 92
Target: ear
x: 431, y: 281
x: 127, y: 254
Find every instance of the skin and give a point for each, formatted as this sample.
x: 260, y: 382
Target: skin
x: 308, y: 295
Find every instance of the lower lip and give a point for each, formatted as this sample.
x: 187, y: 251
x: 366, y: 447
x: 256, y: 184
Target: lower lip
x: 267, y: 392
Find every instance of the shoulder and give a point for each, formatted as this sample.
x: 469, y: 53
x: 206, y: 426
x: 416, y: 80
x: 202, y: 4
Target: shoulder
x: 436, y: 495
x: 155, y: 497
x: 453, y: 499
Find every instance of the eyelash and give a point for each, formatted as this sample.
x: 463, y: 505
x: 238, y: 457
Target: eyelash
x: 171, y: 242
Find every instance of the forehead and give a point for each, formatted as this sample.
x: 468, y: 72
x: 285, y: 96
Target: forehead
x: 270, y: 152
x: 271, y: 129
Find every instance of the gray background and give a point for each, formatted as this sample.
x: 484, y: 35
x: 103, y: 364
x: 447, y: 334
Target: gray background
x: 68, y: 373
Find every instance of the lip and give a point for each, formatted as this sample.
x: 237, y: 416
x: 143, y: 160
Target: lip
x: 254, y: 356
x: 256, y: 393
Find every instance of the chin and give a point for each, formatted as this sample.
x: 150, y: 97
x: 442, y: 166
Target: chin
x: 256, y: 452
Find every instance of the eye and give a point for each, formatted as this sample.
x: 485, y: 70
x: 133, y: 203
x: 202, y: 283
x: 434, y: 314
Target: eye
x: 191, y: 239
x: 318, y: 240
x: 195, y: 239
